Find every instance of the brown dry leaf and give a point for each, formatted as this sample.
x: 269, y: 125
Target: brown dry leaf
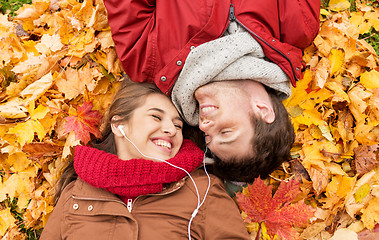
x: 321, y: 74
x: 369, y: 234
x: 43, y: 149
x: 366, y: 158
x: 319, y: 179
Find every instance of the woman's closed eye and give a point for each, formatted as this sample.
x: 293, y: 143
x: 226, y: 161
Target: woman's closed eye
x: 156, y: 117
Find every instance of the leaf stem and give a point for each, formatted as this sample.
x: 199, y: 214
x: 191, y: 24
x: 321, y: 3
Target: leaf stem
x: 258, y: 232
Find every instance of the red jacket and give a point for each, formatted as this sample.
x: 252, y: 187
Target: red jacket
x: 153, y: 38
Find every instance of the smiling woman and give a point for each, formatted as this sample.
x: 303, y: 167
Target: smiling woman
x: 155, y: 128
x: 109, y: 192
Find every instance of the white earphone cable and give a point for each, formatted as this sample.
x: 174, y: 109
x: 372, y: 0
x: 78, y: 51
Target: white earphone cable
x: 199, y: 204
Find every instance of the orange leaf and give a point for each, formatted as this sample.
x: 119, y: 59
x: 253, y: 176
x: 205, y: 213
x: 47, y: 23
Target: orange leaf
x: 278, y: 213
x: 84, y: 123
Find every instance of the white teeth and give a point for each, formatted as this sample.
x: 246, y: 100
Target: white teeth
x: 208, y: 109
x: 162, y: 143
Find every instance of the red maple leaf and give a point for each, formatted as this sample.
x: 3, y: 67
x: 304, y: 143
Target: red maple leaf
x: 84, y: 122
x: 278, y: 213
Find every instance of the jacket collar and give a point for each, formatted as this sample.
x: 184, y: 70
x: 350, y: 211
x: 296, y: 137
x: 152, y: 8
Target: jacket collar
x: 85, y: 191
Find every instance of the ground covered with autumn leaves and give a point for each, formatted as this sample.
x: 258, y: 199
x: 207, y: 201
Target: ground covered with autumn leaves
x: 59, y: 71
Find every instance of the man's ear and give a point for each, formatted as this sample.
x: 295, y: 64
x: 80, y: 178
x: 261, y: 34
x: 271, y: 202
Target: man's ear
x: 264, y: 110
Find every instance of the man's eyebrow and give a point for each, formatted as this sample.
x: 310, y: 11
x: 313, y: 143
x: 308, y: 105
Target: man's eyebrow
x: 163, y: 111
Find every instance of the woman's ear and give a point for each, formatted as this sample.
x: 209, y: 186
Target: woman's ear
x: 115, y: 129
x: 264, y: 110
x: 116, y: 126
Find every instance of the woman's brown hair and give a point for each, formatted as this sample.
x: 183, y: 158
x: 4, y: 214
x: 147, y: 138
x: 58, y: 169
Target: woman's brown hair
x: 130, y: 97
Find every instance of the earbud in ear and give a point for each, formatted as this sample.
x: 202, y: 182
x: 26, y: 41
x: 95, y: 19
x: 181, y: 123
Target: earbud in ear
x: 120, y: 127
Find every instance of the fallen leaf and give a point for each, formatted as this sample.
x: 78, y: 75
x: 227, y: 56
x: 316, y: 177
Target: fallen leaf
x: 339, y: 5
x: 84, y: 123
x: 278, y: 213
x: 366, y: 158
x: 370, y: 215
x: 370, y: 79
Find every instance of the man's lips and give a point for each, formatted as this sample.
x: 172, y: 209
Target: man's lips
x: 206, y: 109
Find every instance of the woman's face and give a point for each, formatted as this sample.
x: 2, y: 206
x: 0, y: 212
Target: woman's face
x: 155, y: 128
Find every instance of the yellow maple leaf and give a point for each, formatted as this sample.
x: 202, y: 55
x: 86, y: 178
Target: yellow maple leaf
x: 357, y: 18
x: 71, y: 141
x: 337, y: 59
x: 309, y: 117
x: 6, y: 220
x: 84, y: 11
x: 18, y: 161
x: 370, y: 79
x: 83, y: 43
x: 339, y: 5
x: 340, y: 186
x: 25, y: 131
x: 299, y: 94
x: 370, y: 215
x: 74, y: 82
x: 17, y: 184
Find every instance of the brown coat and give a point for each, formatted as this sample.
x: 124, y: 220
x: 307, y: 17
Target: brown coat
x: 84, y: 212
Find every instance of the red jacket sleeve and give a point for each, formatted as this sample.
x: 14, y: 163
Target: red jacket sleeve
x: 105, y: 170
x: 299, y: 21
x: 131, y: 23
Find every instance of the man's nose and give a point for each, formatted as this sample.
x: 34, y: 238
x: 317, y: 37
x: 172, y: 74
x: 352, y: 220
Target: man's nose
x: 205, y: 125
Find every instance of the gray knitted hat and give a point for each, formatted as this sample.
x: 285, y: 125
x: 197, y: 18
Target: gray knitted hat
x: 235, y: 56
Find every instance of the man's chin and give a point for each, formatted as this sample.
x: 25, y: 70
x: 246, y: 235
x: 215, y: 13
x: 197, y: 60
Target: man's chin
x: 242, y: 171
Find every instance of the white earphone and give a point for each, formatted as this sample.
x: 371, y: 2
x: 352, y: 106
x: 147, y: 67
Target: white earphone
x: 121, y: 130
x: 199, y: 204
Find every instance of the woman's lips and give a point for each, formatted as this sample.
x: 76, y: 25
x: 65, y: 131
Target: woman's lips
x: 164, y: 144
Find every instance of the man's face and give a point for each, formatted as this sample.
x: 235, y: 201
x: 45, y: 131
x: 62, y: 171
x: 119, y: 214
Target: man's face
x: 224, y: 117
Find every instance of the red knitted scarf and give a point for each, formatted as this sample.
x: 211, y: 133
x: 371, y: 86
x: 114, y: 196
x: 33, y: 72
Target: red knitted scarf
x: 134, y: 177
